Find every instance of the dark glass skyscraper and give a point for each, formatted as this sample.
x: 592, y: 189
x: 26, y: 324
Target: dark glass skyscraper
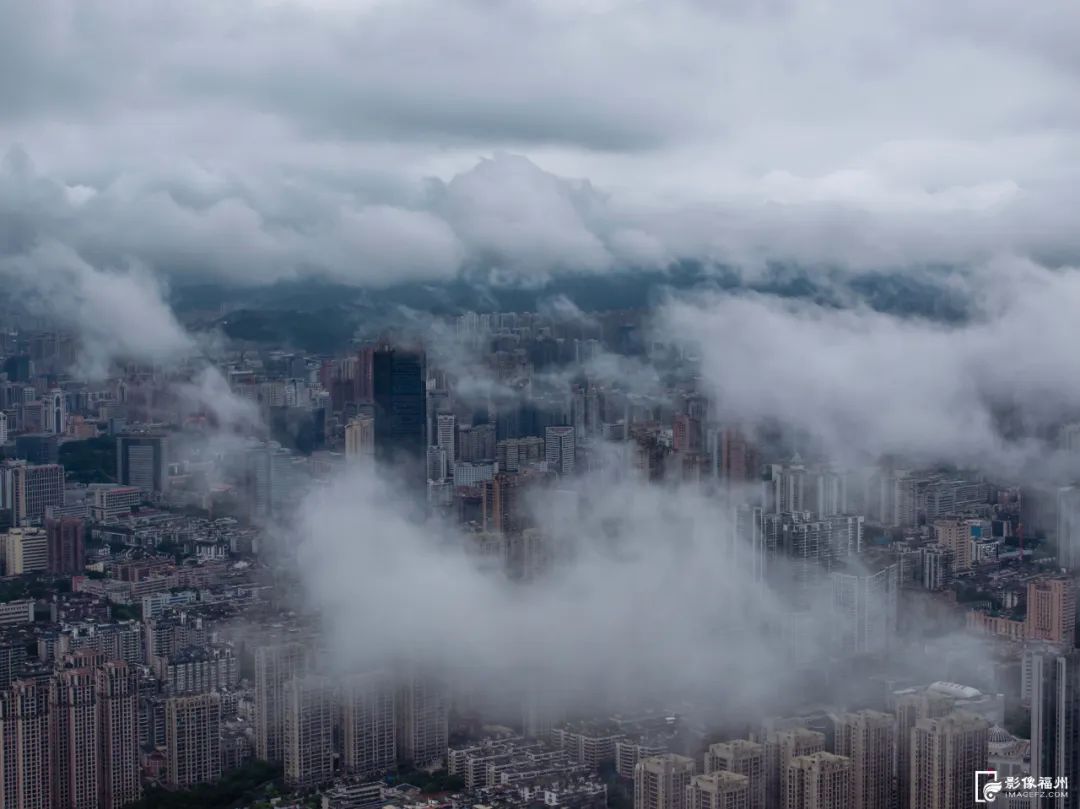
x: 1055, y: 722
x: 398, y: 379
x: 141, y: 460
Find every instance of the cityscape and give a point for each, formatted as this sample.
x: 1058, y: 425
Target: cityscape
x: 450, y: 406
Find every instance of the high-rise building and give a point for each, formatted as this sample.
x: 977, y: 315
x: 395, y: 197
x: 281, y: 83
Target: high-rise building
x: 718, y: 790
x: 26, y: 550
x: 937, y: 498
x: 504, y: 508
x: 55, y: 412
x: 308, y: 731
x: 936, y: 564
x: 142, y: 461
x: 945, y: 755
x: 12, y: 656
x: 868, y: 739
x: 74, y: 743
x: 111, y: 501
x: 19, y: 368
x: 421, y: 720
x: 955, y: 534
x: 37, y: 449
x: 589, y: 744
x: 446, y: 436
x: 469, y: 473
x: 744, y: 758
x: 748, y: 542
x: 781, y: 747
x: 477, y: 443
x: 30, y: 490
x: 360, y: 439
x: 628, y: 752
x: 686, y: 434
x: 117, y: 687
x: 1068, y: 527
x: 437, y: 469
x: 25, y: 781
x: 818, y: 781
x: 784, y: 487
x: 1051, y: 611
x: 910, y: 710
x: 400, y: 408
x: 1055, y: 721
x: 198, y: 670
x: 660, y: 782
x: 67, y: 545
x: 272, y: 477
x: 560, y: 450
x: 367, y: 703
x: 809, y: 548
x: 514, y: 454
x: 736, y: 458
x: 826, y: 493
x: 890, y: 497
x: 1069, y: 437
x: 192, y: 740
x: 865, y: 605
x: 274, y: 666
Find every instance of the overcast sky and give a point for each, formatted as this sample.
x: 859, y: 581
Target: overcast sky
x: 407, y: 139
x: 373, y: 142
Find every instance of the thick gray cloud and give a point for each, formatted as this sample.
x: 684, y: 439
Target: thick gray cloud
x: 603, y: 624
x: 118, y: 313
x: 260, y: 140
x: 988, y: 392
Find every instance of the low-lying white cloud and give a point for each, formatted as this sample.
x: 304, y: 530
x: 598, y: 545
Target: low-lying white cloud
x: 989, y: 390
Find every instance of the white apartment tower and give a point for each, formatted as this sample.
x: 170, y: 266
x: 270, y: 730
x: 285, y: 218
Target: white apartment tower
x: 910, y: 710
x: 193, y: 740
x: 26, y: 550
x: 24, y: 746
x: 73, y: 738
x: 308, y: 731
x: 865, y: 608
x: 718, y: 790
x: 421, y: 720
x: 559, y: 449
x: 360, y: 439
x: 945, y: 754
x: 274, y: 666
x: 781, y: 748
x: 446, y: 435
x: 744, y: 758
x: 660, y: 782
x: 818, y: 781
x: 1068, y: 527
x: 367, y: 704
x: 55, y: 412
x: 868, y: 738
x: 118, y: 728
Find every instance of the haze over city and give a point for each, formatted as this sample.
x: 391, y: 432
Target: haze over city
x: 613, y: 403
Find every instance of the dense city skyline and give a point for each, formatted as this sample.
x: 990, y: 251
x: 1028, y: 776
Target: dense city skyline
x: 630, y: 404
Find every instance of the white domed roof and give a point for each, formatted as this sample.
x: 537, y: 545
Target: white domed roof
x: 955, y: 690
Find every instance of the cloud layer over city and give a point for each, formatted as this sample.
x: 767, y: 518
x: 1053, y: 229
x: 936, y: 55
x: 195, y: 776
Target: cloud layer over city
x: 990, y: 391
x: 380, y: 141
x: 649, y: 600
